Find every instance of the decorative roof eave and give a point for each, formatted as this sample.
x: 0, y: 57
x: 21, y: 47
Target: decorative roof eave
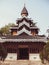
x: 18, y: 19
x: 24, y: 30
x: 2, y: 40
x: 24, y: 22
x: 24, y: 18
x: 13, y: 27
x: 24, y: 40
x: 34, y: 28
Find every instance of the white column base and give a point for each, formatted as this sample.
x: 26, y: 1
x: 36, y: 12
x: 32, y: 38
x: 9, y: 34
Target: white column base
x: 11, y: 56
x: 34, y: 57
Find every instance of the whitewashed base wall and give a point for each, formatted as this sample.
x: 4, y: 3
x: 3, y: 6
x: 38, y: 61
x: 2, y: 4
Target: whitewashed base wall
x: 34, y: 57
x: 13, y: 56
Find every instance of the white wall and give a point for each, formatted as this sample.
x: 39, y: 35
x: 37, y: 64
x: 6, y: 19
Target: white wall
x: 34, y: 57
x: 11, y: 56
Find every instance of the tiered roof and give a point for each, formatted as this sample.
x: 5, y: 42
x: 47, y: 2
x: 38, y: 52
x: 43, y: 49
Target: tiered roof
x: 24, y: 11
x: 24, y: 38
x: 24, y: 28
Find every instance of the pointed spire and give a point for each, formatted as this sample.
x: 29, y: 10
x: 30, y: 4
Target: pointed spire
x: 24, y: 4
x: 24, y: 11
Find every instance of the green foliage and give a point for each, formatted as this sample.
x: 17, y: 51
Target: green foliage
x: 5, y: 30
x: 3, y: 52
x: 44, y: 54
x: 46, y: 50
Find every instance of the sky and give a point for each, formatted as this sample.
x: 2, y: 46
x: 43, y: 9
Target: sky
x: 38, y: 11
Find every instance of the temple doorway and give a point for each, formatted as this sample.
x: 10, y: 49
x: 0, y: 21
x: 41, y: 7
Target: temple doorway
x: 23, y: 54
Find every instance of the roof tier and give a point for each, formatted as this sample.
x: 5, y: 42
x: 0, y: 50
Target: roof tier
x: 24, y: 12
x: 24, y: 38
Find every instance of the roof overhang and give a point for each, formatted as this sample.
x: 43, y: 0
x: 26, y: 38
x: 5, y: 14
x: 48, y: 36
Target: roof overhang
x: 24, y: 40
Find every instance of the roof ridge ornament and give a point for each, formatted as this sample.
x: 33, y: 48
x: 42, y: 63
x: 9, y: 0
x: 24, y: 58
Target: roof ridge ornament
x: 24, y: 4
x: 24, y: 12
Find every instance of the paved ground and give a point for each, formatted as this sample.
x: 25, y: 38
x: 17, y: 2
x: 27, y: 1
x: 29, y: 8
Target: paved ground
x: 22, y: 62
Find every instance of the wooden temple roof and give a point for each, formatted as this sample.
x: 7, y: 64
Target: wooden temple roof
x: 24, y: 38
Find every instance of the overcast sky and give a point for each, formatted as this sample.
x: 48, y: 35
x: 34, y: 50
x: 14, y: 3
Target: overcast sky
x: 38, y: 10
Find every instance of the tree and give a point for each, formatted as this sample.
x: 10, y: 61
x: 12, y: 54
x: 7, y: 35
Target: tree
x: 3, y: 52
x: 5, y: 30
x: 44, y: 54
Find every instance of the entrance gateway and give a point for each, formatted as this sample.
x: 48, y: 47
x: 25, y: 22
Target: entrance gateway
x: 23, y: 52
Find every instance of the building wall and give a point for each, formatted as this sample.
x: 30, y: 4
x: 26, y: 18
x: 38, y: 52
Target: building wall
x: 12, y: 49
x: 34, y: 47
x: 13, y: 56
x: 14, y: 33
x: 34, y: 57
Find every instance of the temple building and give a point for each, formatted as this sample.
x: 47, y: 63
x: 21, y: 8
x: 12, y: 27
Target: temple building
x: 24, y: 43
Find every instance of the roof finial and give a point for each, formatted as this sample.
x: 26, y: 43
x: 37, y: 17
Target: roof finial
x: 24, y: 11
x: 24, y: 4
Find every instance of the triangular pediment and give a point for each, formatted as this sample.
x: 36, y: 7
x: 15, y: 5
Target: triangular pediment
x: 23, y: 33
x: 28, y: 20
x: 24, y: 30
x: 24, y: 26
